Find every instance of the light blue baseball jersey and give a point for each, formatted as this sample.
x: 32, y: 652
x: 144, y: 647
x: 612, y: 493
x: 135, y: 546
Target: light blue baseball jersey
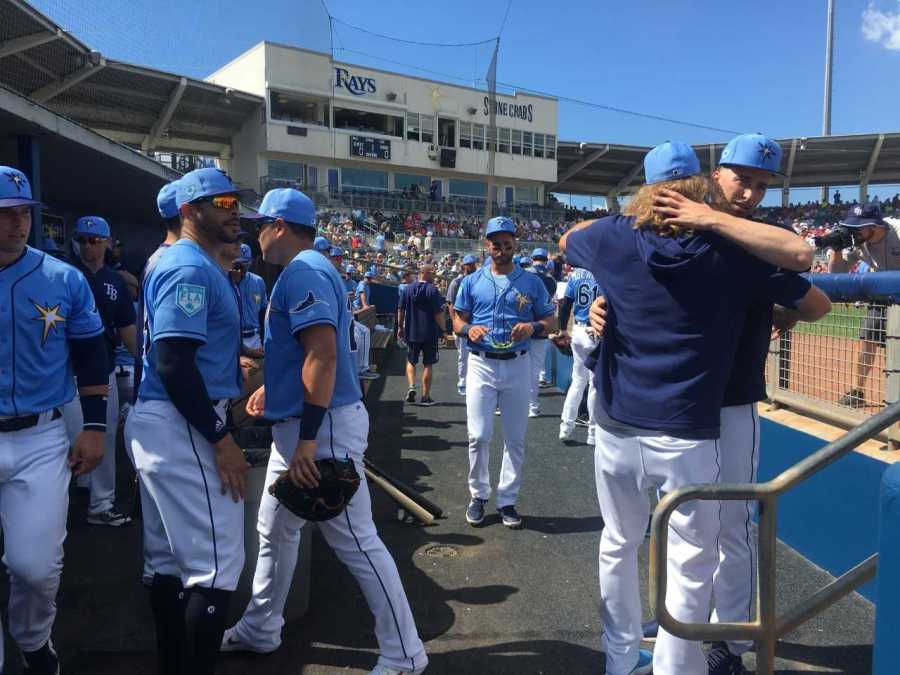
x: 500, y: 302
x: 252, y: 290
x: 308, y: 292
x: 361, y: 287
x: 582, y: 290
x: 187, y: 295
x: 44, y: 302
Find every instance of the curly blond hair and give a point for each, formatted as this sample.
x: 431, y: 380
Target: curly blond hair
x: 696, y: 188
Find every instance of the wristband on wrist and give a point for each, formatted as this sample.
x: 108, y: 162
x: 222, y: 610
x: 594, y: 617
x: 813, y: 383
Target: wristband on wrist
x: 465, y: 330
x: 538, y: 328
x: 311, y: 420
x: 93, y: 412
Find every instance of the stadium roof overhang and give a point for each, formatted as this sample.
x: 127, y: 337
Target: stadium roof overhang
x: 145, y: 108
x: 613, y: 170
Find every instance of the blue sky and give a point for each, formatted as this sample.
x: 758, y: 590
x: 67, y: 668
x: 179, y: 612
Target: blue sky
x: 735, y: 66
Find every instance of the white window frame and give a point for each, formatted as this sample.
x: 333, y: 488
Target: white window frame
x: 412, y: 123
x: 516, y: 142
x: 478, y: 136
x: 465, y: 135
x: 426, y: 121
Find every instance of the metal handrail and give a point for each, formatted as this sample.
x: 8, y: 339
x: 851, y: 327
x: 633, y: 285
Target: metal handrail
x: 768, y: 627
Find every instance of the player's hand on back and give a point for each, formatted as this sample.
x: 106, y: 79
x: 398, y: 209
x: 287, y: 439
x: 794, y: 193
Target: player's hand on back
x: 303, y: 470
x: 597, y: 316
x: 232, y: 467
x: 87, y: 451
x: 256, y: 404
x: 477, y: 332
x: 676, y: 209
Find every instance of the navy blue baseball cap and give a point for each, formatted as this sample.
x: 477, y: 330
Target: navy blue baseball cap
x: 499, y: 224
x: 207, y: 182
x: 525, y: 261
x: 92, y: 226
x: 470, y: 260
x: 540, y: 253
x: 754, y: 151
x: 321, y: 244
x: 336, y: 252
x: 670, y: 161
x: 290, y: 205
x: 15, y: 190
x: 166, y: 202
x: 862, y: 215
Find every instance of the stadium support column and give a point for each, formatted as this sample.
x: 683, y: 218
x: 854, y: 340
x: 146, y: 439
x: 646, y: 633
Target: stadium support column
x: 29, y: 151
x: 789, y: 171
x: 870, y: 169
x: 826, y: 107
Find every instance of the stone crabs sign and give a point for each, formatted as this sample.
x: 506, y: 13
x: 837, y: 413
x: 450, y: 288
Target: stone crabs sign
x: 355, y: 84
x: 504, y: 109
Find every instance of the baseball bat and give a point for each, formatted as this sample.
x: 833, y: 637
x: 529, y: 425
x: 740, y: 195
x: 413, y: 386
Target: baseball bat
x: 410, y: 492
x: 408, y: 504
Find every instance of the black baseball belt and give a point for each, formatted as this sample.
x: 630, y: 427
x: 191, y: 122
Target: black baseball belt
x: 10, y: 424
x: 498, y: 356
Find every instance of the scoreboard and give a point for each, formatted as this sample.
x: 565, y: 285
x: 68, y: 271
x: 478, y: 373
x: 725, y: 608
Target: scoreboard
x: 371, y: 148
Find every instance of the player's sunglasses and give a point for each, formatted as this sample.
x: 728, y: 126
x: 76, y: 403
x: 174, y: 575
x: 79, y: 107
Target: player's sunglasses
x: 93, y: 241
x: 226, y: 202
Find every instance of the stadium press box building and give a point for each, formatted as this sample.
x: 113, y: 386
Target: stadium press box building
x: 340, y: 127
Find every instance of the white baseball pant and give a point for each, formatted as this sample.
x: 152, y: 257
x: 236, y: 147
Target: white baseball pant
x: 34, y: 504
x: 202, y: 529
x: 735, y: 577
x: 102, y: 480
x: 352, y: 536
x: 491, y: 384
x: 537, y: 351
x: 582, y: 345
x: 363, y: 337
x: 626, y: 467
x: 462, y: 364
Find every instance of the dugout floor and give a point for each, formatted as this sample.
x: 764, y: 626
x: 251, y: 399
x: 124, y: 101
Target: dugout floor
x: 486, y: 600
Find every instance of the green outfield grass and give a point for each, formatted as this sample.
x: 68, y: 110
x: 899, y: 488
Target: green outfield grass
x: 844, y: 321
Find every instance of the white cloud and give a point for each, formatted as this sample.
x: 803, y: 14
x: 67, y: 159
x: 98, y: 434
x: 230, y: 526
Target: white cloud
x: 881, y: 27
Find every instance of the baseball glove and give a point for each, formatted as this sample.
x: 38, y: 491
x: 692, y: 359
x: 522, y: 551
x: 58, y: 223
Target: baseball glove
x: 563, y: 343
x: 337, y: 485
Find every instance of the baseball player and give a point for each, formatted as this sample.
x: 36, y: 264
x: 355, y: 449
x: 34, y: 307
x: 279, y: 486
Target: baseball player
x: 189, y: 464
x: 312, y: 390
x: 539, y: 343
x: 363, y: 295
x: 50, y: 337
x: 581, y: 289
x: 747, y: 165
x: 469, y: 265
x: 676, y: 302
x: 254, y: 300
x: 421, y: 323
x: 499, y: 309
x: 362, y: 336
x: 113, y: 302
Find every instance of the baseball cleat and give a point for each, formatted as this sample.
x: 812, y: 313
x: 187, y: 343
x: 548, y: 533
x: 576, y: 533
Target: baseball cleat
x: 644, y: 665
x: 510, y: 517
x: 43, y: 661
x: 461, y: 389
x: 475, y: 512
x: 231, y: 642
x: 534, y: 412
x: 109, y: 518
x: 544, y: 384
x: 386, y: 670
x: 649, y: 631
x: 721, y: 661
x: 411, y: 396
x: 565, y: 435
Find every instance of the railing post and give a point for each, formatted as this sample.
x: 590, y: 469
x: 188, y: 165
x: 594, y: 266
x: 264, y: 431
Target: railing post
x: 892, y: 370
x: 765, y: 584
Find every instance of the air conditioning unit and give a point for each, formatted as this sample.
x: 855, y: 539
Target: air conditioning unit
x: 432, y: 151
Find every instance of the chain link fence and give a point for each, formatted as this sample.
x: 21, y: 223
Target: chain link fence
x: 843, y: 368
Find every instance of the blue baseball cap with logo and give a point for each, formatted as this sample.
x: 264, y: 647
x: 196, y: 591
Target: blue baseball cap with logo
x: 370, y: 274
x: 754, y: 151
x: 670, y: 161
x: 246, y: 254
x: 290, y: 205
x: 469, y: 260
x: 166, y: 202
x: 540, y: 253
x: 15, y: 190
x: 92, y: 226
x: 202, y: 183
x: 525, y: 261
x: 861, y: 215
x: 321, y: 244
x: 500, y: 224
x: 336, y: 252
